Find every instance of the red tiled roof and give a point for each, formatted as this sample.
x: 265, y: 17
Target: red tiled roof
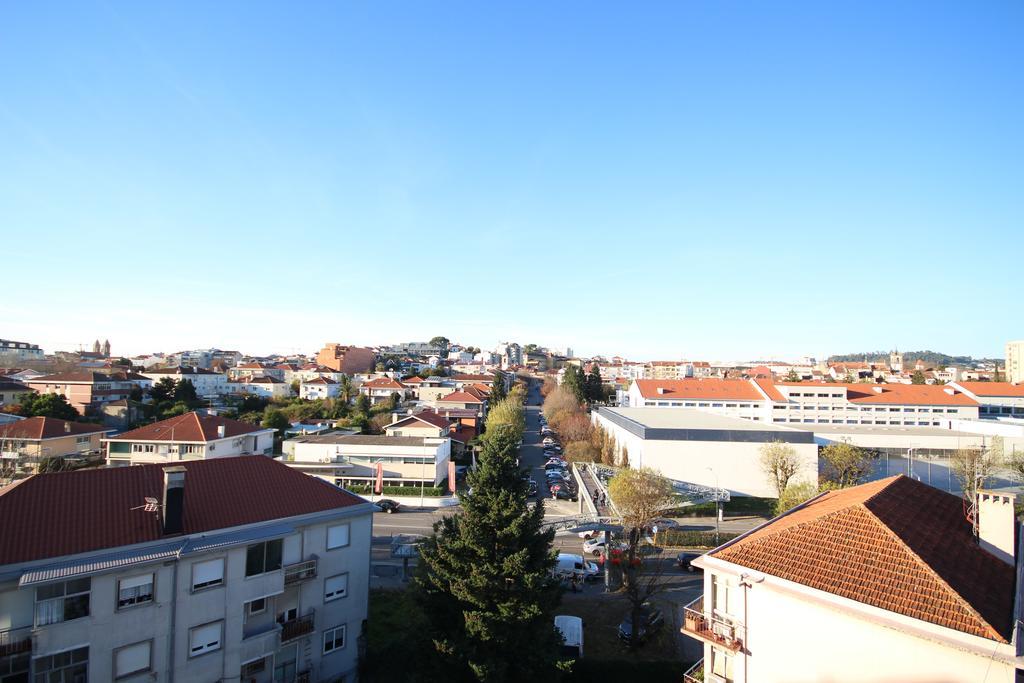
x: 460, y: 397
x: 320, y: 380
x: 65, y: 513
x: 412, y: 380
x: 994, y: 389
x: 35, y: 428
x: 711, y: 388
x: 384, y: 383
x: 65, y: 377
x: 896, y: 544
x: 463, y: 433
x: 426, y: 416
x: 265, y: 380
x: 768, y: 387
x: 473, y: 378
x: 189, y: 427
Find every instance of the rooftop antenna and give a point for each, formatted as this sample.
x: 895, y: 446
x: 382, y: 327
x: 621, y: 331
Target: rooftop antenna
x: 150, y: 505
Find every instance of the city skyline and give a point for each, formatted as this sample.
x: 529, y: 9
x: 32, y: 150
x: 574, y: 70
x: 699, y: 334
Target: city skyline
x: 672, y: 182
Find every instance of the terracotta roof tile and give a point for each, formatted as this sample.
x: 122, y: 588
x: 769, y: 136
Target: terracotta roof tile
x: 34, y: 428
x: 994, y: 388
x: 711, y: 388
x: 65, y: 513
x: 896, y: 544
x: 460, y: 397
x: 189, y: 427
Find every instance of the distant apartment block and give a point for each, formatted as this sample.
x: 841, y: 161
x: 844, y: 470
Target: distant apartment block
x: 1015, y: 361
x: 188, y: 437
x: 235, y: 569
x: 26, y: 443
x: 206, y: 382
x: 347, y: 359
x: 16, y: 353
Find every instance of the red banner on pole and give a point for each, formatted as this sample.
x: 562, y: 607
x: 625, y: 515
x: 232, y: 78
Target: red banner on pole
x: 451, y: 476
x: 378, y: 485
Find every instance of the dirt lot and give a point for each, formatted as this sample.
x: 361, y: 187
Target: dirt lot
x: 601, y: 614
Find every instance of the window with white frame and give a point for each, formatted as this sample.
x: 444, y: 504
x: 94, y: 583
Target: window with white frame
x: 337, y: 536
x: 257, y: 606
x: 207, y: 574
x: 335, y: 587
x: 63, y: 601
x: 205, y: 638
x: 135, y: 590
x: 133, y: 659
x: 334, y: 639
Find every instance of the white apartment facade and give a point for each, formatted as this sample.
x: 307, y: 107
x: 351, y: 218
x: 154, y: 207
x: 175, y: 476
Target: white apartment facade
x: 213, y: 589
x: 345, y: 459
x: 206, y: 382
x: 319, y: 388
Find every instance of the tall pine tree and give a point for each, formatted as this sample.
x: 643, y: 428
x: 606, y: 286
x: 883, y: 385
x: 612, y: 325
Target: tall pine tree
x: 595, y: 391
x: 497, y: 388
x: 484, y: 577
x: 573, y: 380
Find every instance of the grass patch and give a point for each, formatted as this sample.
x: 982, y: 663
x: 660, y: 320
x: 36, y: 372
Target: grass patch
x: 395, y: 637
x: 740, y: 506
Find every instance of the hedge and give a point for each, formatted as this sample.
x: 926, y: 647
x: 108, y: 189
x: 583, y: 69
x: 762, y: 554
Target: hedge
x: 691, y: 539
x: 432, y: 491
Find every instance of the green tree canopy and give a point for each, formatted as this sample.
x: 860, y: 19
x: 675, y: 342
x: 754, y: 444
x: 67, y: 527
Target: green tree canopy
x: 845, y: 464
x: 185, y: 391
x: 46, y: 405
x: 275, y: 419
x: 497, y: 387
x: 917, y: 377
x: 163, y: 390
x: 485, y: 579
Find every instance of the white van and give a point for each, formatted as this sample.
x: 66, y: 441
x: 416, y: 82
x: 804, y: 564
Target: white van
x: 569, y: 565
x: 571, y: 629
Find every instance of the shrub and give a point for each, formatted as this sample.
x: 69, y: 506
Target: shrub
x: 430, y: 491
x: 675, y: 538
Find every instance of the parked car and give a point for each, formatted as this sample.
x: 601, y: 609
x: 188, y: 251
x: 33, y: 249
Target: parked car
x: 571, y: 630
x: 595, y: 546
x: 554, y: 465
x: 651, y: 621
x: 663, y: 524
x: 563, y: 493
x: 387, y: 505
x: 685, y: 560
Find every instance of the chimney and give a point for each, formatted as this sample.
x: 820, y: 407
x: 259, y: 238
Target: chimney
x: 221, y: 431
x: 949, y: 390
x: 997, y: 524
x: 395, y: 416
x: 661, y: 390
x: 67, y: 427
x: 878, y: 390
x: 174, y: 499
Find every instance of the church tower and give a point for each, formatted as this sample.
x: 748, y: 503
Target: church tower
x: 896, y: 361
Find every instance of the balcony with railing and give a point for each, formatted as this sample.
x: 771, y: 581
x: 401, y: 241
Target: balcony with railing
x: 704, y: 625
x: 298, y: 627
x: 15, y: 641
x: 695, y: 674
x: 300, y: 571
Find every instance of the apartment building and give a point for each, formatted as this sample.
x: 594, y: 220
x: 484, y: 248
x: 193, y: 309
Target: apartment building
x: 182, y: 573
x: 84, y: 390
x: 347, y: 359
x: 206, y: 382
x: 25, y: 443
x: 346, y: 459
x: 1015, y: 361
x: 188, y: 437
x: 764, y: 400
x: 881, y: 582
x: 669, y: 369
x: 16, y: 353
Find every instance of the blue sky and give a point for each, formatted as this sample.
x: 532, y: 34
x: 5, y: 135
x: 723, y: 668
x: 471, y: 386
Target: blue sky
x: 711, y: 180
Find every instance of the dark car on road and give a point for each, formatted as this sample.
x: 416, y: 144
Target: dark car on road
x: 562, y: 492
x: 532, y: 490
x: 651, y: 621
x: 387, y: 505
x: 685, y: 561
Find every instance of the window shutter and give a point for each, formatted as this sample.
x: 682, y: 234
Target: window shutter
x: 205, y: 572
x: 337, y: 536
x: 131, y: 659
x: 135, y: 581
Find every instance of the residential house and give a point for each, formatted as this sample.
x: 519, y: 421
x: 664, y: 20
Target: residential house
x: 11, y: 392
x: 465, y: 400
x: 84, y: 389
x: 266, y: 387
x: 188, y: 437
x: 321, y: 387
x: 381, y: 389
x: 25, y: 443
x: 229, y: 569
x: 880, y: 582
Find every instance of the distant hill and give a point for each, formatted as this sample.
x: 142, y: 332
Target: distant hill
x: 932, y: 358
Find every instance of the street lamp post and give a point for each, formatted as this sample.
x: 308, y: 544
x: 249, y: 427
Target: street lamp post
x: 718, y: 504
